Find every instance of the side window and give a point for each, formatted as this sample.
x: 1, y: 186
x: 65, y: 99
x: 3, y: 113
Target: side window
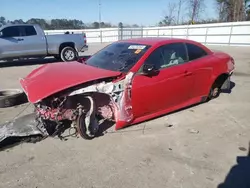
x: 168, y: 55
x: 174, y: 54
x: 156, y: 58
x: 12, y: 31
x: 195, y: 52
x: 29, y: 31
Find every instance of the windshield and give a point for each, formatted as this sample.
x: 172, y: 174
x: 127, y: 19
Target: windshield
x: 121, y: 56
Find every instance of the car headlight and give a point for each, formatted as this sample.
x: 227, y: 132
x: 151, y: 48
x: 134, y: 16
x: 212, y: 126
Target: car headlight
x: 105, y: 87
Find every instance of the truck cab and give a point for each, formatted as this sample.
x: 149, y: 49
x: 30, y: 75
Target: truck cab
x: 29, y: 40
x: 22, y: 41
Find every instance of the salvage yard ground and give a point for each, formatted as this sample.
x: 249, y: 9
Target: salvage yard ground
x: 195, y: 147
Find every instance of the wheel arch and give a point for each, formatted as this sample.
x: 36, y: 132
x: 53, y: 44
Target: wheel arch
x: 66, y: 44
x: 220, y: 79
x: 218, y: 82
x: 101, y: 100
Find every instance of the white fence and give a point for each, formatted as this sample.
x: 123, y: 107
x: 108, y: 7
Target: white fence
x: 233, y: 33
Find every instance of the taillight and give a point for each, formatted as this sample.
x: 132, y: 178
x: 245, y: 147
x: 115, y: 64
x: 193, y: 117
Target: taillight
x: 232, y: 60
x: 231, y: 64
x: 84, y: 38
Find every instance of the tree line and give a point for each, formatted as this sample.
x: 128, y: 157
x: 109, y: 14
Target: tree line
x: 227, y: 11
x: 234, y: 10
x: 63, y: 23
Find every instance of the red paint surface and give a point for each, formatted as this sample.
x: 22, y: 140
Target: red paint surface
x: 55, y: 77
x: 175, y: 87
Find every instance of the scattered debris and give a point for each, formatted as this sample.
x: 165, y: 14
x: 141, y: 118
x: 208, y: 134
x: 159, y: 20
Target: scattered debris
x: 169, y: 125
x: 31, y: 158
x: 24, y: 126
x: 208, y: 178
x: 14, y: 141
x: 24, y: 129
x: 193, y: 131
x: 242, y: 149
x: 205, y: 155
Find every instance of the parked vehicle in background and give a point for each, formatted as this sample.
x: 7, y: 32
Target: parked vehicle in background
x: 29, y: 40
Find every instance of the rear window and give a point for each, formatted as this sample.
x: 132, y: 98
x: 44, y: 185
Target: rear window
x: 121, y: 56
x: 29, y: 30
x: 195, y: 52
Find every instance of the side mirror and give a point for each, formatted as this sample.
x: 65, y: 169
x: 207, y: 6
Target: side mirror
x: 149, y: 69
x: 1, y: 34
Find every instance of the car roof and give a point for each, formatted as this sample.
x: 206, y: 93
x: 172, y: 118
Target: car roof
x: 153, y: 40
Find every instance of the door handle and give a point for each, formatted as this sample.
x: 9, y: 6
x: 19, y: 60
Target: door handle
x: 19, y: 39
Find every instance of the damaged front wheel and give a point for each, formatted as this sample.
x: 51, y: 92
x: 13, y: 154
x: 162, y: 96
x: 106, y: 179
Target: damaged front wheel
x: 82, y: 128
x: 86, y: 123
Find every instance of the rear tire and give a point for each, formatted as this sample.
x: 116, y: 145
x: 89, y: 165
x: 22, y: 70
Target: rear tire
x: 214, y: 91
x: 68, y: 54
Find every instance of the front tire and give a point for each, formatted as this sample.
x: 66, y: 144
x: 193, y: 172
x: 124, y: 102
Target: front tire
x: 68, y: 54
x: 81, y: 128
x: 86, y: 123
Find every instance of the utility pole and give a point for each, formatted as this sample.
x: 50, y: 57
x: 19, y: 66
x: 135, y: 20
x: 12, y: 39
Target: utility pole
x: 100, y: 14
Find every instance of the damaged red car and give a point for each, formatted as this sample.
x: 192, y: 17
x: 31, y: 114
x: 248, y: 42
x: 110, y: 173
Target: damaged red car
x: 127, y: 82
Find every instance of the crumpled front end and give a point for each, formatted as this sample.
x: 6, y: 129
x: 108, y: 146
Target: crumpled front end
x: 87, y: 107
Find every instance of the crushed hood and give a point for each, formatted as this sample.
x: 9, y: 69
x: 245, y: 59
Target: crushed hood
x: 52, y: 78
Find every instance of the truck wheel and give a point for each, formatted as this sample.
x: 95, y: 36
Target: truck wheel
x: 68, y: 54
x: 12, y: 97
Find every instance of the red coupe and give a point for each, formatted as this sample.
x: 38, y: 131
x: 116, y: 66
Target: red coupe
x: 127, y: 82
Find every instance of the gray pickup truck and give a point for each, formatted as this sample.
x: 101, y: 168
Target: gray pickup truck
x: 20, y: 41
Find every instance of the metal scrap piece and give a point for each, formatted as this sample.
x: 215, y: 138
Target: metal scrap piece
x: 20, y: 127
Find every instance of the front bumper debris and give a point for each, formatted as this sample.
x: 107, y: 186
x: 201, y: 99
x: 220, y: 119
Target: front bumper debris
x: 21, y: 127
x: 227, y: 84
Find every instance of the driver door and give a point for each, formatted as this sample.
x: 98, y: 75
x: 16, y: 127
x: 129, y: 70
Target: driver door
x: 11, y: 42
x: 169, y: 88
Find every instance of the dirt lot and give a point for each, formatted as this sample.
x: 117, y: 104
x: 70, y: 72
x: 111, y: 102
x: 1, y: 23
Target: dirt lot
x: 198, y: 150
